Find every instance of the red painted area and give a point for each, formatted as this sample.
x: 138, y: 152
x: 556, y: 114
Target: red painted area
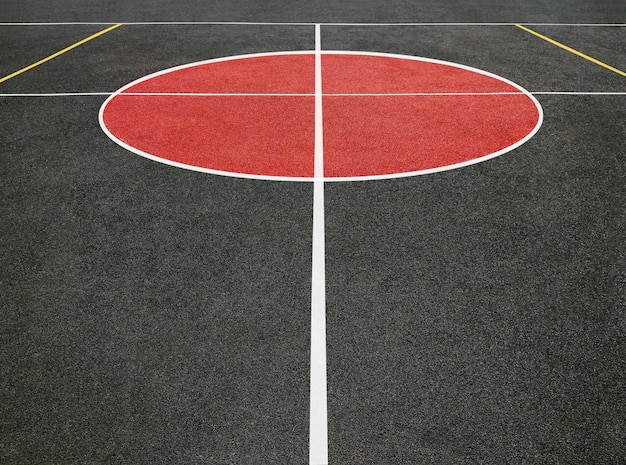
x: 365, y: 135
x: 282, y: 74
x: 368, y: 136
x: 373, y: 74
x: 253, y: 135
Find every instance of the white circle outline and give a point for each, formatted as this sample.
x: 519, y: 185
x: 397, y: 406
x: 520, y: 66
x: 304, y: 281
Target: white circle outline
x: 325, y: 179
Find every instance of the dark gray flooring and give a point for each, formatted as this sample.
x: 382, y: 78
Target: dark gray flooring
x: 152, y: 315
x: 576, y: 11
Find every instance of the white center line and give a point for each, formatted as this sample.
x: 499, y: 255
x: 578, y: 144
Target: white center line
x: 318, y: 427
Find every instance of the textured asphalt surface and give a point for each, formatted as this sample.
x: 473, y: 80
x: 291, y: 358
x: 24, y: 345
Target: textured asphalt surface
x: 152, y: 315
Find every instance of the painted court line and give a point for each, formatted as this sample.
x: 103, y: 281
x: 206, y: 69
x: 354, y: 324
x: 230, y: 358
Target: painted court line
x: 318, y: 426
x: 571, y: 50
x: 243, y: 94
x: 61, y: 52
x: 475, y: 24
x: 329, y: 94
x: 416, y: 94
x: 251, y: 23
x: 212, y: 94
x: 579, y: 93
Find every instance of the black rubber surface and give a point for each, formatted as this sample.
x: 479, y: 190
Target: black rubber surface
x: 152, y: 315
x: 316, y: 11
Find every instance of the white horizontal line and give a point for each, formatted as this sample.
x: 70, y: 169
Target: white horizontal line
x: 156, y: 94
x: 245, y: 23
x: 214, y: 94
x: 578, y: 93
x: 60, y: 94
x: 479, y: 24
x: 184, y: 94
x: 163, y: 23
x: 421, y: 94
x: 461, y: 94
x: 270, y: 94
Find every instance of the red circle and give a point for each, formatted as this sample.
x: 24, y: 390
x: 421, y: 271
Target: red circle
x: 383, y: 115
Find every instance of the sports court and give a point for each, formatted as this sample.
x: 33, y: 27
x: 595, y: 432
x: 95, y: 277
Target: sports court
x: 313, y: 233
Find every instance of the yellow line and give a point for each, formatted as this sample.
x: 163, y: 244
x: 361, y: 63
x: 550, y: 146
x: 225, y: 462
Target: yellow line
x: 6, y: 78
x: 575, y: 52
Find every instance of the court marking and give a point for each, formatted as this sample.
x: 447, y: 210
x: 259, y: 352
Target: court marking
x: 519, y: 91
x: 571, y: 50
x: 218, y: 171
x: 253, y: 23
x: 183, y: 94
x: 60, y: 52
x: 318, y: 423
